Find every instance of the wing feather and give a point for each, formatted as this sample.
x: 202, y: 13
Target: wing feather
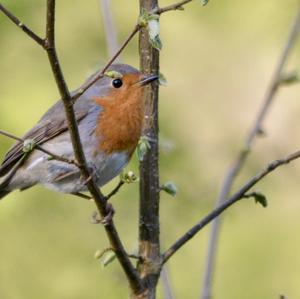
x: 46, y: 129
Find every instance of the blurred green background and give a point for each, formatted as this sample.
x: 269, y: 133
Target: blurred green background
x: 218, y: 61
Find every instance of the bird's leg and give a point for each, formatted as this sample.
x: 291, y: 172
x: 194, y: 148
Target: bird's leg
x: 95, y: 218
x: 83, y: 196
x: 110, y: 214
x: 106, y: 220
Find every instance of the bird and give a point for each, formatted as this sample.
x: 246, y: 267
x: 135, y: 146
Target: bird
x: 110, y: 117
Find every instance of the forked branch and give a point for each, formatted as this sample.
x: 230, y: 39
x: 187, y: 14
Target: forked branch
x: 233, y: 199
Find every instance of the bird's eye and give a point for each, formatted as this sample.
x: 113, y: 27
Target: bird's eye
x: 117, y: 83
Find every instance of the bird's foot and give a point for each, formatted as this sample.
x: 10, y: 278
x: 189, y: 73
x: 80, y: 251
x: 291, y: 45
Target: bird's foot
x: 110, y: 214
x: 82, y: 195
x: 106, y: 220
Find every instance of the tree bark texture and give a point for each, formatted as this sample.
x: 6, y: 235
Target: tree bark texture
x: 149, y: 265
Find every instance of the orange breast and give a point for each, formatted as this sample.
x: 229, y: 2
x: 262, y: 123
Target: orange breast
x: 121, y: 120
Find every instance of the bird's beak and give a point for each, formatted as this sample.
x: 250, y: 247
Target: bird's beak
x: 147, y: 79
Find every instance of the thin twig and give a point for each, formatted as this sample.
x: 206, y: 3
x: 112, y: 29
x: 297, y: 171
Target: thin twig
x: 109, y: 27
x: 115, y: 190
x: 9, y: 135
x: 233, y: 199
x: 107, y: 197
x: 22, y: 26
x: 239, y: 162
x: 175, y: 6
x: 40, y: 148
x: 100, y: 254
x: 101, y: 74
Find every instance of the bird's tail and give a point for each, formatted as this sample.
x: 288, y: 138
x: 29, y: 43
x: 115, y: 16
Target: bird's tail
x: 3, y: 188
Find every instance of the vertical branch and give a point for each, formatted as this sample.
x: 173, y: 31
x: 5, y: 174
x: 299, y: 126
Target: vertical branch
x: 100, y: 201
x: 149, y: 247
x: 109, y: 27
x: 240, y: 160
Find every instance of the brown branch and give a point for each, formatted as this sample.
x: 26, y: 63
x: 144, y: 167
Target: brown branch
x: 175, y: 6
x: 85, y: 87
x: 233, y: 199
x: 22, y: 26
x: 107, y: 197
x: 99, y: 198
x: 115, y: 190
x: 49, y: 45
x: 149, y: 243
x: 240, y: 160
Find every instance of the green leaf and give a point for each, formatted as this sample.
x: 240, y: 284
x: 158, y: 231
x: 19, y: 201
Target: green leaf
x: 107, y: 258
x: 152, y: 21
x: 98, y: 254
x: 258, y: 198
x: 153, y: 17
x: 204, y: 2
x: 162, y: 80
x: 289, y: 78
x: 28, y: 145
x: 153, y: 27
x: 156, y: 43
x: 143, y: 18
x: 261, y: 199
x: 142, y: 147
x: 170, y: 188
x: 113, y: 74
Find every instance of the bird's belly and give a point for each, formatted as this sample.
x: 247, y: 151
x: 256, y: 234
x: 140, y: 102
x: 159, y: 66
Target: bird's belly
x: 110, y: 167
x: 67, y: 179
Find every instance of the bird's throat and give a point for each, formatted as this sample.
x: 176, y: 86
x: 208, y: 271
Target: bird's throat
x: 120, y: 123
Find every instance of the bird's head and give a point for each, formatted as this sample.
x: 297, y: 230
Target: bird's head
x: 121, y: 83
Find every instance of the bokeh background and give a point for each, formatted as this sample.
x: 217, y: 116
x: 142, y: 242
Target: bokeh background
x: 218, y: 61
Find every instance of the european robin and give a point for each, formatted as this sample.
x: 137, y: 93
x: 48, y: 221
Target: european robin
x: 110, y: 117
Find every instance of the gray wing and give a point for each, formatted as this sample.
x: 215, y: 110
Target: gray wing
x: 52, y: 123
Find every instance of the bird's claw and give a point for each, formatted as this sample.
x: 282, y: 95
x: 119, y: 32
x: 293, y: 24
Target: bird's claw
x: 109, y: 216
x: 95, y: 218
x: 106, y: 220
